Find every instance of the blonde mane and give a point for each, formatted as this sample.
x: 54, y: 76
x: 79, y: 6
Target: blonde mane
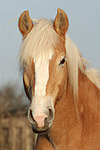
x: 75, y: 62
x: 41, y: 40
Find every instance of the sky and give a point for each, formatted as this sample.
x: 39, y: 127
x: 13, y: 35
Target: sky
x: 84, y: 30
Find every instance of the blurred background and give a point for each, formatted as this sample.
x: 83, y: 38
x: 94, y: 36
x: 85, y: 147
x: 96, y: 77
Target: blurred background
x: 84, y: 30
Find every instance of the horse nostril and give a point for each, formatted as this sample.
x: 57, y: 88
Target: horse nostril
x: 51, y: 115
x: 30, y: 116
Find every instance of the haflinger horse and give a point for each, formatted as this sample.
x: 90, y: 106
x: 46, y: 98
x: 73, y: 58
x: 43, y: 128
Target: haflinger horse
x: 64, y: 94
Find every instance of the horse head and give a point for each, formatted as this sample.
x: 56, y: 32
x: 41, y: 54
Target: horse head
x: 44, y: 64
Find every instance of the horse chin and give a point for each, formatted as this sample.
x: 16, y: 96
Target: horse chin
x: 40, y: 130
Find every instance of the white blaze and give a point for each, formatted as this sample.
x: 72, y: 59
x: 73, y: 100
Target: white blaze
x: 41, y: 102
x: 41, y: 74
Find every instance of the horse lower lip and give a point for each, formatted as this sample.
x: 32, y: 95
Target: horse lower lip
x: 37, y: 130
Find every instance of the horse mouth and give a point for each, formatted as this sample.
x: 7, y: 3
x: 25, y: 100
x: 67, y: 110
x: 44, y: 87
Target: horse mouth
x: 40, y: 130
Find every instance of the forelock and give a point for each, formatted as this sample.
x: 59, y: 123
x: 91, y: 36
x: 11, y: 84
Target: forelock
x: 39, y: 42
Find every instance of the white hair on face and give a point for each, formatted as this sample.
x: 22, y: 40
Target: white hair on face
x: 41, y: 74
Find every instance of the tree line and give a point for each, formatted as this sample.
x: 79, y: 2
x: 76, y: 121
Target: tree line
x: 12, y: 98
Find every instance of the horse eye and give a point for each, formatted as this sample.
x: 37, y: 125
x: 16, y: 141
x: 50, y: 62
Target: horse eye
x: 62, y: 61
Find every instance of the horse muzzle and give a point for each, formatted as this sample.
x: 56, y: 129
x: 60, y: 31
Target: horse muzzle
x: 41, y: 115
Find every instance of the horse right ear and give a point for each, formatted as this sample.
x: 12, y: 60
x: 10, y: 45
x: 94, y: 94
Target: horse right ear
x: 25, y: 23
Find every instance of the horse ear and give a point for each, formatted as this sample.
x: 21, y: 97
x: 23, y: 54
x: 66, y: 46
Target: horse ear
x: 25, y: 23
x: 61, y: 22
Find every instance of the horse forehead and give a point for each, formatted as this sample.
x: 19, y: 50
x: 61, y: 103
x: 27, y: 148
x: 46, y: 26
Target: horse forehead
x: 49, y: 57
x: 44, y: 57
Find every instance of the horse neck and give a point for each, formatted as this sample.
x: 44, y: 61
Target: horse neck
x: 66, y: 109
x: 69, y: 108
x: 66, y: 123
x: 67, y: 131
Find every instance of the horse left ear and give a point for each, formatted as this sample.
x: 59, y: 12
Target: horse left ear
x: 61, y: 22
x: 25, y: 23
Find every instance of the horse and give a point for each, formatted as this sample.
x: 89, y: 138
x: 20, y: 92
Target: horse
x: 64, y: 93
